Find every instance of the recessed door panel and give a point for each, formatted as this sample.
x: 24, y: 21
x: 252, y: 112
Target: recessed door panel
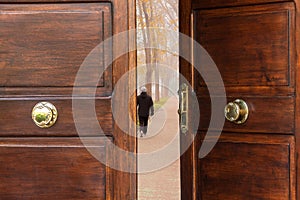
x: 52, y: 168
x: 252, y: 167
x: 271, y: 115
x: 17, y: 117
x: 251, y: 46
x: 43, y: 45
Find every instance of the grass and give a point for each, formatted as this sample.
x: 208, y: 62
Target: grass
x: 160, y: 103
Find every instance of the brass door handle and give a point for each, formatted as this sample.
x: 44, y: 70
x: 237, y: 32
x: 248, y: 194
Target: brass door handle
x: 183, y: 107
x: 44, y: 114
x: 236, y: 111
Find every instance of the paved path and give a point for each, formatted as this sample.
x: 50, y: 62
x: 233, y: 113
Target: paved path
x: 163, y: 183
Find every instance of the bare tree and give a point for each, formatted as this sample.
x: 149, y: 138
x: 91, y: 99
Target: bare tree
x: 162, y: 14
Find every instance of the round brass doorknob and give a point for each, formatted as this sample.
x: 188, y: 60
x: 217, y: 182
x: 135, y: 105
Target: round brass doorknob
x: 44, y: 114
x: 236, y: 111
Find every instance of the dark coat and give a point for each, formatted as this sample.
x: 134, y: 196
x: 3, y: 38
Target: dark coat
x: 145, y: 104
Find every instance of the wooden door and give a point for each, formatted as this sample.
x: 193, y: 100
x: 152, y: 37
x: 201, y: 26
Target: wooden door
x: 43, y: 45
x: 252, y: 43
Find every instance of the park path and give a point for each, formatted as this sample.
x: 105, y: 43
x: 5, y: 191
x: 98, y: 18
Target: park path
x: 164, y: 183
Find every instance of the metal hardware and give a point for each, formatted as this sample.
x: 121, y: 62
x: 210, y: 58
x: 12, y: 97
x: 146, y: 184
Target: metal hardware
x: 183, y: 107
x: 44, y: 114
x: 236, y: 111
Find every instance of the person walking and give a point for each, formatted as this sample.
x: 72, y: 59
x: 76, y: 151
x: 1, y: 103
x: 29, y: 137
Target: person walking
x: 145, y: 108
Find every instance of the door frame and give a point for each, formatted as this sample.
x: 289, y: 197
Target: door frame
x: 124, y: 19
x: 187, y: 161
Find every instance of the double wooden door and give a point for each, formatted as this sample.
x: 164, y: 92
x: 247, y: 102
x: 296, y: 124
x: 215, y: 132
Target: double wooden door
x: 42, y: 46
x: 253, y: 44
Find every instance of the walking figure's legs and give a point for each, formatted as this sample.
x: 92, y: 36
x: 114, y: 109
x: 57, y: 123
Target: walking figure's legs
x: 143, y: 125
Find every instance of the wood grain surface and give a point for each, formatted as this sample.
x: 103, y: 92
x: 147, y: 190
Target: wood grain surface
x: 248, y: 167
x: 47, y: 43
x: 16, y: 118
x: 43, y: 168
x: 43, y: 44
x: 253, y: 44
x: 266, y: 115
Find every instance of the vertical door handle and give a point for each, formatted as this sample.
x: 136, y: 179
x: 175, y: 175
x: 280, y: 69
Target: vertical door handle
x: 183, y: 108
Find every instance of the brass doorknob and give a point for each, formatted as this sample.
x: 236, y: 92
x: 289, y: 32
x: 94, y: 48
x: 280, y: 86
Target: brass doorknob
x: 44, y: 114
x: 236, y: 111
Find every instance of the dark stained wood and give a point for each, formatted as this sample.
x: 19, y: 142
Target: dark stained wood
x: 248, y: 167
x: 55, y: 91
x: 297, y: 97
x: 246, y: 91
x: 49, y: 42
x: 266, y: 115
x: 49, y: 168
x: 124, y: 17
x: 16, y: 118
x: 255, y: 49
x: 45, y: 42
x: 254, y: 44
x: 132, y: 61
x: 53, y: 1
x: 187, y: 163
x: 229, y: 3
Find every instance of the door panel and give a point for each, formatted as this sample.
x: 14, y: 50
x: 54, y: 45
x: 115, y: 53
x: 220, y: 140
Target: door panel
x: 242, y: 168
x: 51, y: 168
x: 18, y: 113
x: 228, y: 3
x: 255, y: 42
x: 49, y: 42
x: 266, y: 115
